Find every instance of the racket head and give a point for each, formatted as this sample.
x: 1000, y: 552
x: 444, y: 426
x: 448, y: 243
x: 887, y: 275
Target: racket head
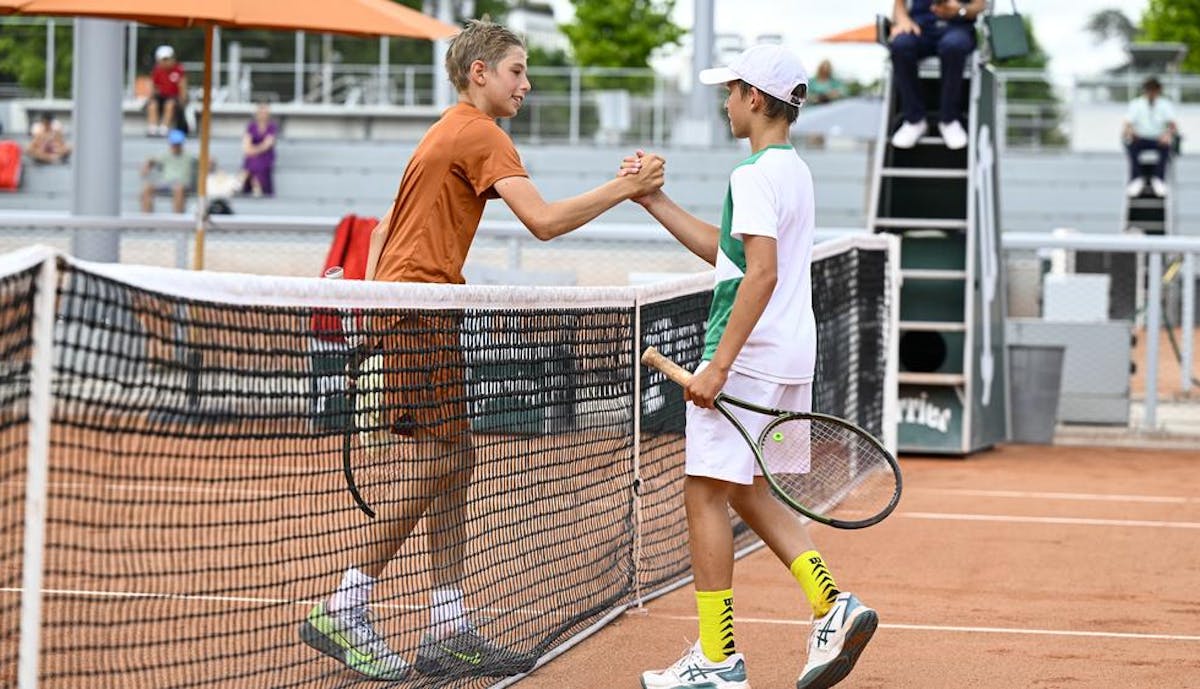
x: 829, y: 470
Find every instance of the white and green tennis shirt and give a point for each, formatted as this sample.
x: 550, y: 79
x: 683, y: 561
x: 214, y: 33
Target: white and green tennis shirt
x: 770, y: 194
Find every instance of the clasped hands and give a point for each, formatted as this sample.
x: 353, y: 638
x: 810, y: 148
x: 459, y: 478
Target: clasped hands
x: 649, y: 169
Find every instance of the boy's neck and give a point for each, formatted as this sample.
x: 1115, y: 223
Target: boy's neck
x: 476, y: 100
x: 769, y: 133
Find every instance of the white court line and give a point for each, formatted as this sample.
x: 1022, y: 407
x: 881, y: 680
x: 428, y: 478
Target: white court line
x: 968, y: 630
x: 1039, y: 495
x: 1076, y: 521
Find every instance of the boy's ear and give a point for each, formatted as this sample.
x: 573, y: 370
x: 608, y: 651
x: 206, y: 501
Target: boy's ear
x: 756, y: 99
x: 477, y: 72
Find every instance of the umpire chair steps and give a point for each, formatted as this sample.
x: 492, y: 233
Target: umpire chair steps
x: 952, y: 395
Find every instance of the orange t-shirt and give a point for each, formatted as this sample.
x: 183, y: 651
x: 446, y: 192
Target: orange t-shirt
x: 442, y: 194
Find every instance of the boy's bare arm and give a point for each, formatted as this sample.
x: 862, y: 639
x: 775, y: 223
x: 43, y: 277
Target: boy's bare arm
x: 549, y: 220
x: 379, y: 235
x: 752, y: 296
x: 698, y: 236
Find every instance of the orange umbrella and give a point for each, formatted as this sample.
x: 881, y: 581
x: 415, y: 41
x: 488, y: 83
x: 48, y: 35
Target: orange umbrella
x: 353, y: 17
x: 859, y: 34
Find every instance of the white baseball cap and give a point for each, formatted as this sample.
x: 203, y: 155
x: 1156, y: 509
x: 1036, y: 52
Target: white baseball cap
x: 770, y: 68
x: 163, y: 52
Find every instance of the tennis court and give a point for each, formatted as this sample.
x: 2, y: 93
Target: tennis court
x: 1023, y: 566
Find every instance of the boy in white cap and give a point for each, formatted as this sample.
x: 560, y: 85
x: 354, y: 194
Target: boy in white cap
x: 760, y: 345
x: 168, y: 84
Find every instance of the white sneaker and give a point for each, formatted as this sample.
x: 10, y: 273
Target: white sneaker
x: 908, y: 133
x: 1158, y: 187
x: 836, y: 641
x: 953, y: 135
x: 695, y: 670
x: 1135, y: 188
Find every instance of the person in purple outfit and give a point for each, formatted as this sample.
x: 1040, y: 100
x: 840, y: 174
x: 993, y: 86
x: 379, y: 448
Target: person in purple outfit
x: 258, y: 145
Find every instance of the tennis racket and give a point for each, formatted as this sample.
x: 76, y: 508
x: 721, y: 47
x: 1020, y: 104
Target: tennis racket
x: 825, y: 468
x: 351, y: 433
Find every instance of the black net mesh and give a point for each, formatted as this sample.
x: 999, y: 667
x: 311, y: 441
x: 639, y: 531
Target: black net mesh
x: 16, y: 325
x: 198, y: 510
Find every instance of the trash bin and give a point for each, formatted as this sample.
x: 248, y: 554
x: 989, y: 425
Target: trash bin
x: 1035, y: 380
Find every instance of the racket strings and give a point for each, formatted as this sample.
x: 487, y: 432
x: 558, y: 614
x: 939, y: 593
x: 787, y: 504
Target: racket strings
x: 829, y: 468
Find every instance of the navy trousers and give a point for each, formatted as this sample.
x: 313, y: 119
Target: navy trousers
x: 952, y: 43
x: 1135, y: 149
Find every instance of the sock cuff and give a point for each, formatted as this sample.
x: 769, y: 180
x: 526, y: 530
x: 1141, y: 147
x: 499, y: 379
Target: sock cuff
x: 720, y: 597
x: 804, y: 561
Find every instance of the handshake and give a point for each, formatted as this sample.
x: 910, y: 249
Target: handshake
x: 645, y: 173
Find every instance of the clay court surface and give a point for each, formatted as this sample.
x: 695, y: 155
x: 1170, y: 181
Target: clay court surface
x: 1021, y: 567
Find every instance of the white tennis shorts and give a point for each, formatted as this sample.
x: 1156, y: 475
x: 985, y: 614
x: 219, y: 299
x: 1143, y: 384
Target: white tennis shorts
x: 715, y: 449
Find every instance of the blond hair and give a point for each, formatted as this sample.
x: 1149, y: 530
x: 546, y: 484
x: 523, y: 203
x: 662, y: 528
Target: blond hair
x: 480, y: 40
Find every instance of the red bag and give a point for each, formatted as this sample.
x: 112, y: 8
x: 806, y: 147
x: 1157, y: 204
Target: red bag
x: 10, y: 165
x: 351, y: 244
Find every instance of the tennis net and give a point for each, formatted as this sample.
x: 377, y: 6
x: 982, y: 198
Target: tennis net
x: 189, y: 504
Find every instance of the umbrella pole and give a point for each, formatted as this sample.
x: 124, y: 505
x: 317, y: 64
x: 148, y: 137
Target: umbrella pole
x: 202, y: 172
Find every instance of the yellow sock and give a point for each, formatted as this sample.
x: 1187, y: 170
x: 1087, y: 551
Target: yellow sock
x: 716, y: 623
x: 809, y: 569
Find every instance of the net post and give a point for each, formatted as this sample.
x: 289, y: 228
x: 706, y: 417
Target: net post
x: 637, y: 450
x: 891, y: 386
x: 37, y: 471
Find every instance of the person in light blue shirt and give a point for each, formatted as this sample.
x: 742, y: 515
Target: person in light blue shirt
x: 1149, y: 125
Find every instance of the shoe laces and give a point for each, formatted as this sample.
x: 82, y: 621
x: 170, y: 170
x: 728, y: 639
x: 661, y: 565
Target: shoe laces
x: 360, y: 626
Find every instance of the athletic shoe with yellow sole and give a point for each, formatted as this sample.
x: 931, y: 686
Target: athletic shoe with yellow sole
x: 837, y: 639
x: 469, y: 654
x: 350, y: 637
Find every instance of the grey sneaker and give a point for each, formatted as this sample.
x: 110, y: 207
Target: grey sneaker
x: 469, y: 653
x: 349, y: 637
x: 837, y: 639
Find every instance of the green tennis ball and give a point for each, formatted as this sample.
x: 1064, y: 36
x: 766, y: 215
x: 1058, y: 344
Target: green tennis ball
x: 777, y: 436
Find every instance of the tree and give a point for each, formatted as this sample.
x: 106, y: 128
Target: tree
x: 1111, y: 24
x: 23, y: 54
x: 1032, y: 99
x: 620, y: 33
x: 1175, y: 21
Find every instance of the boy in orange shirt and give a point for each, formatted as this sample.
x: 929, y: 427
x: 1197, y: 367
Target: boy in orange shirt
x: 464, y: 160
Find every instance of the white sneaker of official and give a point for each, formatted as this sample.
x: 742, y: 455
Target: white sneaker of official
x: 953, y: 135
x: 908, y: 133
x: 1158, y: 187
x: 1135, y: 187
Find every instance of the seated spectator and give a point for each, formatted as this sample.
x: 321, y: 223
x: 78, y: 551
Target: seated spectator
x: 921, y: 29
x: 48, y: 144
x: 258, y: 145
x: 172, y: 173
x: 1149, y: 125
x: 824, y: 87
x: 168, y: 93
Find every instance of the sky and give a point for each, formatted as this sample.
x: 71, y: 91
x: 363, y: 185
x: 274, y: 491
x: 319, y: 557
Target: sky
x: 1058, y: 25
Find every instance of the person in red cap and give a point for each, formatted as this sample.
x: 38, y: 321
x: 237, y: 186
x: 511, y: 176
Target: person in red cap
x: 760, y: 345
x: 168, y: 94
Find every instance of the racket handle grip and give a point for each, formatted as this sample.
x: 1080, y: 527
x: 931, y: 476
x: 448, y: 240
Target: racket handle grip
x: 348, y: 322
x: 654, y: 359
